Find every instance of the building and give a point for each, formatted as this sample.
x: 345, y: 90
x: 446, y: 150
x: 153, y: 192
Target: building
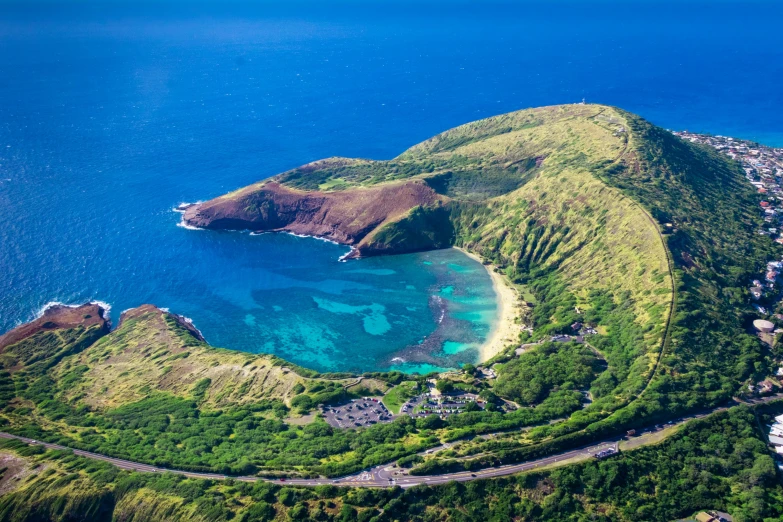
x: 712, y: 516
x: 766, y: 386
x: 777, y: 430
x: 777, y: 441
x: 763, y: 325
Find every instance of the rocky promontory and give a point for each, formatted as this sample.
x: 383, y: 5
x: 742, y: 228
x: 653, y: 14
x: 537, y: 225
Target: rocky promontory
x: 58, y: 317
x: 351, y: 217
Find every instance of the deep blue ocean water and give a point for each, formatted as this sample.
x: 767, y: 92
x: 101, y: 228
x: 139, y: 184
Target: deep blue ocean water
x: 111, y: 114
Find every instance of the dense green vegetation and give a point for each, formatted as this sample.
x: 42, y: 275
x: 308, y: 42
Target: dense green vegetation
x: 421, y: 229
x: 530, y: 378
x: 715, y: 250
x: 716, y: 463
x: 168, y: 431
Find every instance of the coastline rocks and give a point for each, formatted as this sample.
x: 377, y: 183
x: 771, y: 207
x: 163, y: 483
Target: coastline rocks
x: 58, y: 317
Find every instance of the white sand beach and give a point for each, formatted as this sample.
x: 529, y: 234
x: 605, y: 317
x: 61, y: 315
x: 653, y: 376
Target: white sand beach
x: 505, y: 330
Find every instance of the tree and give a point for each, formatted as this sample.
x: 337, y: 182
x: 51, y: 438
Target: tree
x: 444, y: 386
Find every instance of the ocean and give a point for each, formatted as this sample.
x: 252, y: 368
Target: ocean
x: 112, y: 114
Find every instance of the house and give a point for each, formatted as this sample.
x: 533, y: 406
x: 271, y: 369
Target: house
x: 766, y: 386
x: 775, y: 440
x: 713, y: 516
x: 776, y: 431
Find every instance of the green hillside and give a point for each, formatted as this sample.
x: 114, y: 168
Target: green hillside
x: 601, y: 217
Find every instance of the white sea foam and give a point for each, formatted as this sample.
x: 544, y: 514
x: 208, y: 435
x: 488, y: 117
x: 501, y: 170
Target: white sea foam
x: 442, y: 307
x: 343, y: 258
x: 106, y: 306
x: 398, y: 359
x: 311, y: 237
x: 189, y: 227
x: 49, y: 305
x: 184, y: 206
x: 190, y: 322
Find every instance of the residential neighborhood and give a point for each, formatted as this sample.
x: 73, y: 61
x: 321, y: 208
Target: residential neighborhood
x: 763, y: 168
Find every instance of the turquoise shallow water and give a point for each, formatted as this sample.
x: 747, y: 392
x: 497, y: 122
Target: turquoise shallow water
x: 111, y: 114
x: 372, y: 313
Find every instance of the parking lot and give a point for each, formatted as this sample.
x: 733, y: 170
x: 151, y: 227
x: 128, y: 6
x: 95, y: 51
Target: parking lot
x: 357, y: 413
x: 370, y: 410
x: 410, y: 405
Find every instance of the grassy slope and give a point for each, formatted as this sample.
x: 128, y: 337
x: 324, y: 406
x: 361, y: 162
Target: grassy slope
x: 222, y: 412
x: 567, y: 223
x: 715, y: 251
x: 150, y: 351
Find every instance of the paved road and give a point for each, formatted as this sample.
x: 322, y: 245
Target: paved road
x: 380, y: 476
x: 384, y: 475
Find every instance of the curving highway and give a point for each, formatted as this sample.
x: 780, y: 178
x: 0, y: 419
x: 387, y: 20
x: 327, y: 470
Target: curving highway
x: 387, y: 475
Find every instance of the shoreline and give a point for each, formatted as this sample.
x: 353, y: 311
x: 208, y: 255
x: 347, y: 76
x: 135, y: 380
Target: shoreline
x: 505, y: 330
